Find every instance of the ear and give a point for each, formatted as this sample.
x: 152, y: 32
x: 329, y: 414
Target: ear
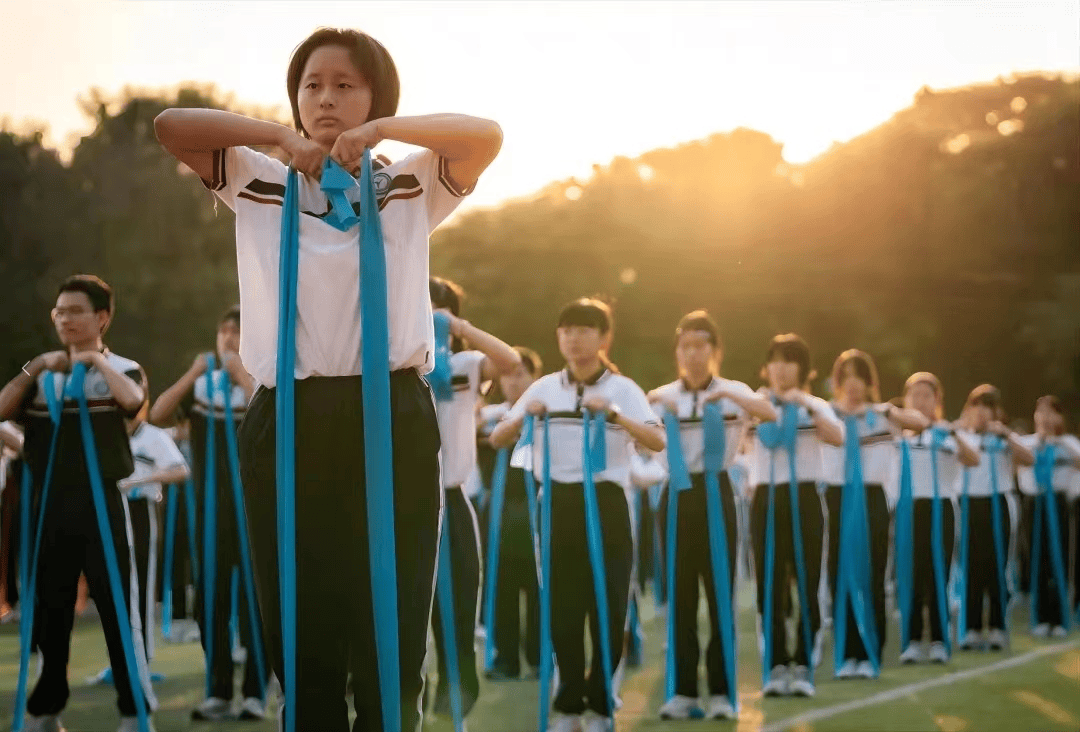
x: 811, y: 377
x: 605, y: 342
x: 764, y: 374
x: 104, y: 319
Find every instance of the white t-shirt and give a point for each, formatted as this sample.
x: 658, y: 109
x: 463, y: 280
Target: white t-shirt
x: 415, y: 195
x: 563, y: 398
x: 691, y: 406
x: 922, y: 480
x: 153, y: 451
x: 1066, y: 476
x: 978, y: 478
x: 877, y: 446
x: 808, y: 464
x: 202, y: 405
x: 457, y: 419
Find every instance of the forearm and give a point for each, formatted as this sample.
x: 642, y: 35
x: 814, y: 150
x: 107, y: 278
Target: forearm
x: 758, y: 407
x: 648, y: 436
x: 829, y: 429
x: 164, y: 407
x: 1021, y: 453
x: 174, y: 474
x: 501, y: 356
x: 908, y: 419
x: 453, y: 136
x: 244, y: 380
x: 506, y: 432
x: 966, y: 452
x: 206, y: 130
x: 11, y: 437
x: 129, y: 395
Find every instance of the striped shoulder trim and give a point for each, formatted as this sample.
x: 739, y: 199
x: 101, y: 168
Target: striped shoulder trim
x: 217, y: 177
x: 448, y: 182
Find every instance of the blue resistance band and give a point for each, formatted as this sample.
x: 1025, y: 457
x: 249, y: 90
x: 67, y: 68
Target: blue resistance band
x: 937, y: 530
x: 29, y: 563
x: 854, y: 581
x: 547, y: 657
x: 592, y: 459
x: 775, y: 436
x: 495, y: 516
x: 170, y: 542
x: 904, y: 544
x: 441, y: 376
x: 994, y: 445
x: 97, y: 491
x: 1046, y: 501
x: 965, y: 545
x: 209, y: 558
x: 678, y: 481
x: 378, y: 442
x: 246, y: 569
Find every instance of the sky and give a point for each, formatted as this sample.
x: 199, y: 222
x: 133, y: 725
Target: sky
x: 573, y: 84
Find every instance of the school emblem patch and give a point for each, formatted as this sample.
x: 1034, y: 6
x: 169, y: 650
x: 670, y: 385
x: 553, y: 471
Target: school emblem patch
x: 382, y: 184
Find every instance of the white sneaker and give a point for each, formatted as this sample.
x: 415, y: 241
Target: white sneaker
x: 252, y: 708
x: 1059, y: 632
x: 779, y: 682
x: 972, y: 641
x: 847, y: 670
x: 593, y: 722
x: 44, y: 723
x: 720, y: 708
x: 212, y: 709
x: 681, y: 707
x: 938, y: 653
x: 131, y: 724
x: 565, y: 722
x: 913, y: 653
x: 996, y: 639
x: 865, y: 670
x: 800, y: 684
x: 1042, y: 630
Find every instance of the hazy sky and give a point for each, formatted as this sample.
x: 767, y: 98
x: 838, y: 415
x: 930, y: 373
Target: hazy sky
x: 572, y: 84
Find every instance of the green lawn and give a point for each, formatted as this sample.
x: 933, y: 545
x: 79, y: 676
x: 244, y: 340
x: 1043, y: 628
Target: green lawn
x: 1040, y: 695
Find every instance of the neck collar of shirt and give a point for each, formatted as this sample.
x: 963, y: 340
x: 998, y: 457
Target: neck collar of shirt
x: 591, y: 381
x: 705, y: 387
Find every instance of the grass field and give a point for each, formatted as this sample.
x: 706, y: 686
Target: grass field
x: 1036, y: 690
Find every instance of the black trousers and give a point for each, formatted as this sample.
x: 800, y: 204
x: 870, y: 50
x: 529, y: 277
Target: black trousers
x: 982, y: 580
x: 226, y: 556
x: 1076, y: 549
x: 1049, y: 602
x: 144, y: 515
x: 10, y: 507
x: 573, y: 596
x: 516, y: 579
x: 335, y: 620
x: 182, y: 570
x: 459, y: 521
x: 784, y: 572
x: 923, y: 590
x: 877, y: 513
x: 646, y: 523
x: 693, y: 564
x: 1024, y: 527
x: 71, y: 545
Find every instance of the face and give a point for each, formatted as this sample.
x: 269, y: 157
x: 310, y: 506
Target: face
x: 695, y: 353
x: 852, y: 387
x: 514, y: 384
x: 979, y: 416
x: 580, y: 342
x: 75, y: 319
x: 782, y: 375
x: 228, y: 337
x: 922, y: 398
x: 333, y: 96
x: 1048, y: 421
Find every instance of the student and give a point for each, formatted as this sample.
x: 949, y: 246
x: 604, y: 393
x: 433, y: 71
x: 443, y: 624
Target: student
x: 457, y: 390
x: 588, y: 382
x: 343, y: 88
x: 923, y: 393
x: 999, y: 448
x: 788, y: 374
x: 11, y: 442
x: 190, y: 393
x: 698, y: 354
x: 184, y: 629
x: 71, y: 542
x: 858, y: 402
x: 1065, y: 471
x: 516, y: 575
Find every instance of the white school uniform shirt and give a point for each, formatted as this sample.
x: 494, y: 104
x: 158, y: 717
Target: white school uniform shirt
x: 202, y: 405
x: 877, y: 447
x: 563, y: 397
x: 808, y: 464
x: 978, y: 477
x: 922, y: 473
x: 457, y: 419
x: 1066, y: 478
x: 691, y: 406
x: 153, y: 450
x: 415, y: 195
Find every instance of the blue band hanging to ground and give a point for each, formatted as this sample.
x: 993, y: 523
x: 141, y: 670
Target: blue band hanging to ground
x: 937, y: 553
x: 595, y: 538
x: 678, y: 481
x: 775, y: 436
x: 247, y: 570
x: 1046, y: 502
x: 209, y: 562
x: 903, y: 530
x: 854, y: 578
x: 97, y: 492
x: 994, y: 445
x: 29, y: 561
x: 713, y: 462
x: 965, y: 547
x: 495, y: 516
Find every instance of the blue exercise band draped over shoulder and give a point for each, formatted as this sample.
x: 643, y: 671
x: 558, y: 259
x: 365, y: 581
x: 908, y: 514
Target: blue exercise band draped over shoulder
x: 1046, y: 502
x: 378, y: 443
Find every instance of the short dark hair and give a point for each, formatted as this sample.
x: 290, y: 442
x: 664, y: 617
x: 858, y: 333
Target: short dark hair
x: 446, y: 294
x: 791, y: 348
x: 701, y: 321
x: 232, y: 314
x: 856, y: 363
x: 530, y: 359
x: 369, y: 56
x: 95, y: 288
x: 588, y: 312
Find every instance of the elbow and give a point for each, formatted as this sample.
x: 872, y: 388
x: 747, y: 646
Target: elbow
x: 657, y: 441
x: 508, y: 362
x: 165, y: 125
